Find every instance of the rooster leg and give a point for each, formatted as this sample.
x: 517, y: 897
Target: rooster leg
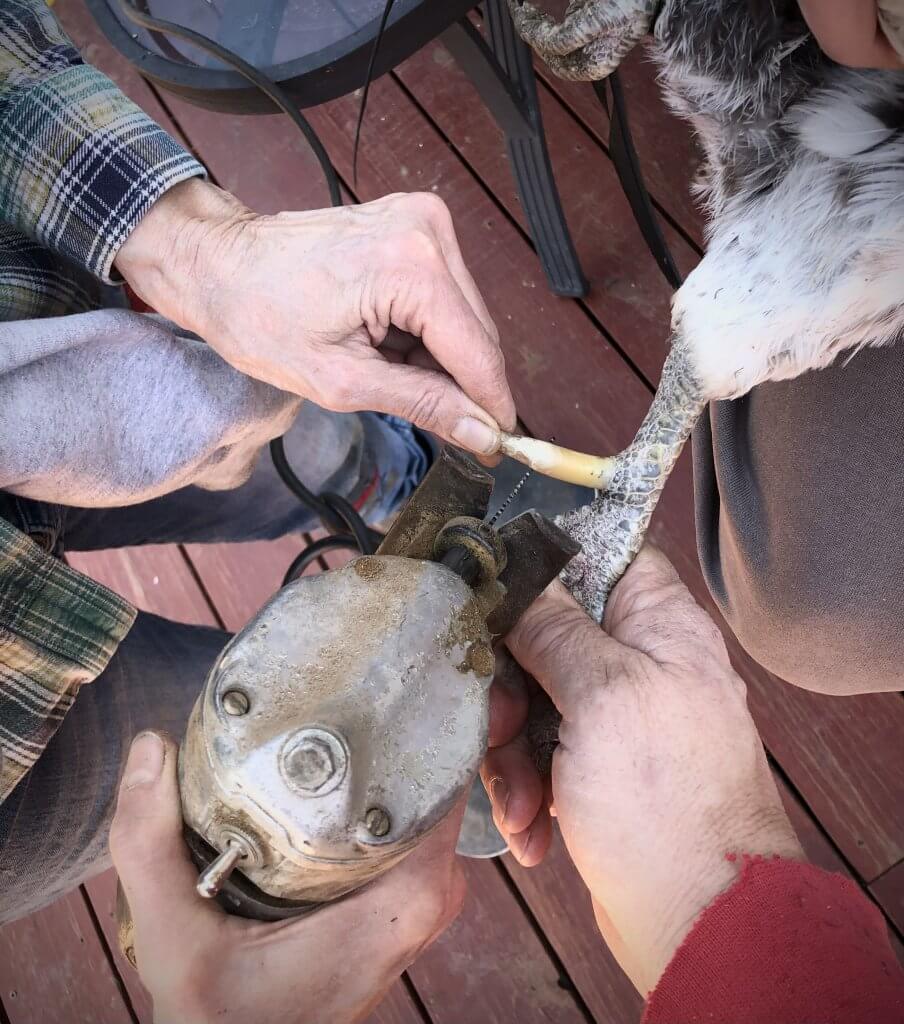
x: 611, y: 529
x: 590, y: 41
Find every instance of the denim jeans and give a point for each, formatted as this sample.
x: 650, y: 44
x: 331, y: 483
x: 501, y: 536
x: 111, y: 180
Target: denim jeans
x: 54, y: 825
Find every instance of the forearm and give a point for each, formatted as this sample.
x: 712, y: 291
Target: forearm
x: 787, y: 941
x: 80, y: 164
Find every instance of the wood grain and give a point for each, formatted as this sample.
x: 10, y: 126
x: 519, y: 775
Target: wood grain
x: 155, y: 578
x: 101, y: 891
x: 844, y: 756
x: 628, y: 294
x: 53, y: 968
x: 888, y: 890
x: 490, y: 966
x: 669, y: 157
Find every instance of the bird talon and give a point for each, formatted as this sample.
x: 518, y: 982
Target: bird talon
x: 591, y: 40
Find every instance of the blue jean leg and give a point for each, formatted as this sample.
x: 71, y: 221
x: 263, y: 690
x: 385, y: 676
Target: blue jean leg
x: 375, y: 461
x: 54, y: 826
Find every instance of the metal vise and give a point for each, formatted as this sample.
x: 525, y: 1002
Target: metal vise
x: 350, y: 715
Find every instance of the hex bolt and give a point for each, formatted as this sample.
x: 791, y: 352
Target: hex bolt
x: 235, y: 702
x: 310, y: 763
x: 377, y: 822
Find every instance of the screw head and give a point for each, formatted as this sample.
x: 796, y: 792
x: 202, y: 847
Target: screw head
x: 377, y: 822
x: 310, y: 764
x: 236, y: 702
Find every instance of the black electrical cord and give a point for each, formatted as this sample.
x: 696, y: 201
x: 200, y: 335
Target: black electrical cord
x: 335, y: 512
x: 315, y: 549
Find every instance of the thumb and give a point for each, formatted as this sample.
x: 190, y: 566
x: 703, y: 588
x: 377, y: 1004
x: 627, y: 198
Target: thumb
x: 430, y: 400
x: 563, y: 648
x: 148, y: 850
x: 652, y: 611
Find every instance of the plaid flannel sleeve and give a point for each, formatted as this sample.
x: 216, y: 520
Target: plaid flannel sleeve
x: 80, y: 164
x: 58, y: 629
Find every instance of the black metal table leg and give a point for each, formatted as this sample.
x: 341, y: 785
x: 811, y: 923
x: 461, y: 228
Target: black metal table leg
x: 504, y: 75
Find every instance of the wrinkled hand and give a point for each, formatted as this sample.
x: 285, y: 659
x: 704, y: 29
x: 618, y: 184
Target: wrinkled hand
x: 201, y: 965
x: 305, y: 301
x: 660, y: 773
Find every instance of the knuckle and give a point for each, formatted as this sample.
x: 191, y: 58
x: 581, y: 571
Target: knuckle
x: 552, y: 634
x: 431, y: 206
x: 490, y: 360
x: 413, y: 247
x: 426, y: 406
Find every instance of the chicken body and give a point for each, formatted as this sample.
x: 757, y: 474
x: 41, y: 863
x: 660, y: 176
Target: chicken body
x: 804, y: 189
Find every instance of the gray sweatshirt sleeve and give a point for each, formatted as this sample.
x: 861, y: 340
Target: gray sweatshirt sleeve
x: 112, y: 407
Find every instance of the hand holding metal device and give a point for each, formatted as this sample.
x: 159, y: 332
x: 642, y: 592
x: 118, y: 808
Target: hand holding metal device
x: 349, y: 717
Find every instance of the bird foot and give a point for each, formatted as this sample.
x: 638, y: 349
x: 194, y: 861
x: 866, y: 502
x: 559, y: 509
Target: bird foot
x: 591, y: 40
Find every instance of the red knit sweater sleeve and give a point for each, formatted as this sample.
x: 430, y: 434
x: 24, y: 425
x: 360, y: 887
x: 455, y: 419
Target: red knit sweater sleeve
x: 788, y: 943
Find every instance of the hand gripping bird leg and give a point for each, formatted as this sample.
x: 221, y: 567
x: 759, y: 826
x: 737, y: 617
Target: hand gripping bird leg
x: 611, y: 529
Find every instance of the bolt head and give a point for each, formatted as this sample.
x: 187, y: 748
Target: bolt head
x: 309, y: 765
x: 377, y: 822
x: 236, y: 702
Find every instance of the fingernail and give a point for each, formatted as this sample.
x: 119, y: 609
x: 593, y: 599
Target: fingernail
x: 145, y: 760
x: 499, y: 791
x: 476, y: 436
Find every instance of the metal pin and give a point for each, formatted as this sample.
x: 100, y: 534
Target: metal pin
x: 211, y: 879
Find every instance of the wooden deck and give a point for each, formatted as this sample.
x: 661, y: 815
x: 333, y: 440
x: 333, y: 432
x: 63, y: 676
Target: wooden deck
x: 526, y: 948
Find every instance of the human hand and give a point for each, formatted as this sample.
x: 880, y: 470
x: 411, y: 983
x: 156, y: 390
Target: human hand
x: 659, y: 775
x: 304, y: 301
x: 849, y: 31
x: 201, y: 965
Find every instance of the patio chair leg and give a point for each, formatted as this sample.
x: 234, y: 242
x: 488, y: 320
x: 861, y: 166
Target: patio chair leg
x: 504, y: 75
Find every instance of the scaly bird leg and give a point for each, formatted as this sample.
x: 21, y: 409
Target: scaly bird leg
x: 590, y: 41
x: 611, y: 529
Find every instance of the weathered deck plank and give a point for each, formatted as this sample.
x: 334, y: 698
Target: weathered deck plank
x: 888, y: 891
x: 628, y: 294
x: 668, y: 153
x: 54, y: 969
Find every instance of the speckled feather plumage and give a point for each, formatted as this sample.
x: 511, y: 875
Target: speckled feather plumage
x: 803, y: 184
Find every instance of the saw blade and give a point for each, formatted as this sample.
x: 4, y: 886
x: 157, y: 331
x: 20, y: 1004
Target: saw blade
x: 510, y: 498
